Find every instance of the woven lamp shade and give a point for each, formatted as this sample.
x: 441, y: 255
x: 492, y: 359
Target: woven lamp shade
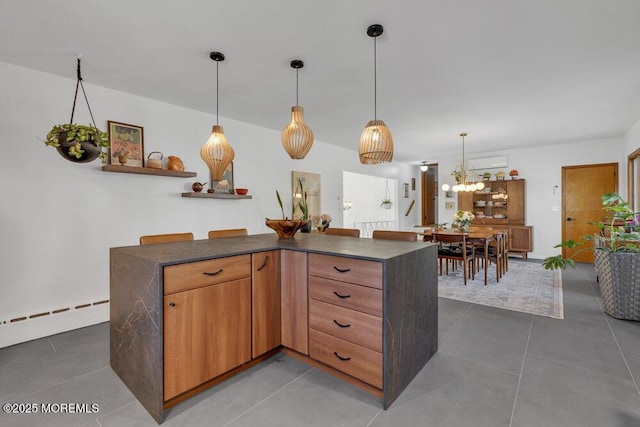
x: 217, y: 153
x: 297, y: 137
x: 376, y: 143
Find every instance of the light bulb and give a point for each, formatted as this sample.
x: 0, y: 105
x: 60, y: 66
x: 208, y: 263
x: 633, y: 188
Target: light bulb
x: 445, y: 187
x: 480, y: 185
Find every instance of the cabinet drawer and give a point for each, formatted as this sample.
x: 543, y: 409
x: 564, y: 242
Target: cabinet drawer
x: 193, y: 275
x: 353, y: 326
x: 359, y: 362
x: 355, y: 297
x: 366, y: 273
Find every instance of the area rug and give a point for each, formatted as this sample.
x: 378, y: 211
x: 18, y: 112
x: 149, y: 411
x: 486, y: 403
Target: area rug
x: 527, y: 287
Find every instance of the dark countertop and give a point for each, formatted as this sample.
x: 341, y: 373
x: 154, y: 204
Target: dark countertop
x: 362, y: 248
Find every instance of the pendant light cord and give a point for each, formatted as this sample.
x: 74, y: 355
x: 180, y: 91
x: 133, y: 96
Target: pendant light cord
x: 375, y: 80
x: 296, y: 87
x: 75, y: 97
x: 217, y: 91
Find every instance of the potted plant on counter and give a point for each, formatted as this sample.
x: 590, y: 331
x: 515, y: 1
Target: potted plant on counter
x: 617, y: 258
x: 285, y: 228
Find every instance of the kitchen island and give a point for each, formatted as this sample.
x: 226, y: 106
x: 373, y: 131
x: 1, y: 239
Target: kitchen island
x: 188, y: 315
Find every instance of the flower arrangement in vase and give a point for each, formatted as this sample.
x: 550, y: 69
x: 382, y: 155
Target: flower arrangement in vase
x: 462, y: 219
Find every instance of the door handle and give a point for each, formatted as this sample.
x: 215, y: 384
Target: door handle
x: 571, y: 219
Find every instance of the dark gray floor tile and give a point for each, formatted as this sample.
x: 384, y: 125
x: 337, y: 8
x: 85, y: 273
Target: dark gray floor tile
x: 449, y: 312
x: 491, y: 336
x: 32, y: 351
x: 226, y: 401
x: 133, y: 415
x: 627, y: 333
x: 316, y: 399
x: 91, y: 342
x: 451, y: 392
x: 634, y: 366
x: 585, y: 344
x: 556, y: 394
x: 102, y: 387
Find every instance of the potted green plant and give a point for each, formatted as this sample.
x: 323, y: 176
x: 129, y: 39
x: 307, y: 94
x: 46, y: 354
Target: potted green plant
x: 617, y: 257
x: 285, y: 228
x: 386, y: 203
x: 303, y: 205
x: 78, y: 143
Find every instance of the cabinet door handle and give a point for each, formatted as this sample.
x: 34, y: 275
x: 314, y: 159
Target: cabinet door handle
x: 264, y: 264
x: 215, y: 273
x: 172, y: 304
x: 341, y: 296
x: 344, y: 359
x: 340, y: 270
x: 340, y: 324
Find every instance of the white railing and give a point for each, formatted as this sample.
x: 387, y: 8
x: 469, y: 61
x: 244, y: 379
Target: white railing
x: 367, y: 227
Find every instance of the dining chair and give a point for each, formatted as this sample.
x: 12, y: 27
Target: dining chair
x: 350, y: 232
x: 229, y: 232
x: 455, y: 248
x: 165, y: 238
x: 494, y: 252
x: 408, y: 236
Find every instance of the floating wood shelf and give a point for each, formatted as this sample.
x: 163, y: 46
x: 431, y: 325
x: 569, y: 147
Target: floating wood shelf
x: 215, y: 196
x: 147, y: 171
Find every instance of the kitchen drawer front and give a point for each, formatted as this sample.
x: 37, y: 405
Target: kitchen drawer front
x: 366, y: 273
x: 352, y: 359
x: 193, y: 275
x: 355, y: 297
x: 353, y: 326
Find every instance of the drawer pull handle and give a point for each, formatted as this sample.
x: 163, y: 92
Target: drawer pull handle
x: 339, y: 270
x: 341, y: 296
x: 212, y: 274
x: 344, y: 359
x: 340, y: 324
x: 172, y: 304
x: 264, y: 264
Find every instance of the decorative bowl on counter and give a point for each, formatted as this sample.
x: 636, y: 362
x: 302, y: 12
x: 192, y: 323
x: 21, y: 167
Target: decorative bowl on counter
x: 242, y: 191
x: 285, y: 228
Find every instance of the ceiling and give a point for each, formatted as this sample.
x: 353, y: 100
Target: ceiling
x: 511, y: 73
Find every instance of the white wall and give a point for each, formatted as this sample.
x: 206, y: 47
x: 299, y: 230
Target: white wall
x: 542, y: 169
x: 59, y: 219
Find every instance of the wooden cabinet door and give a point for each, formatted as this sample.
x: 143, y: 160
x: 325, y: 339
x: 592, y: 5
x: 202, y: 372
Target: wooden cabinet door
x: 465, y: 201
x: 266, y: 301
x: 295, y: 316
x: 207, y: 332
x: 520, y: 240
x: 515, y: 203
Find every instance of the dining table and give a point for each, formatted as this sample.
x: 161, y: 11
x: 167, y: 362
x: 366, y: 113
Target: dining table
x: 480, y: 237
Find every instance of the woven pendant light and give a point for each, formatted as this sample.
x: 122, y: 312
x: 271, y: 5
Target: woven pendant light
x: 376, y: 143
x: 216, y: 152
x: 297, y: 137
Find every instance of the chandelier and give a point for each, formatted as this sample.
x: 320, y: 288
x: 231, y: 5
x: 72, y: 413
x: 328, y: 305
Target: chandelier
x: 462, y: 176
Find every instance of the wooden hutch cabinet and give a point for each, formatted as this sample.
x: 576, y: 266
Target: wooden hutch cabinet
x: 501, y: 203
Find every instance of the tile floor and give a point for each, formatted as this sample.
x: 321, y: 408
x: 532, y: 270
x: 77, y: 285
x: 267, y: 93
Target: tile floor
x: 494, y: 368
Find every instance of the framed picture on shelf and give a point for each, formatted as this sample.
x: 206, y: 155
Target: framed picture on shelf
x: 127, y: 144
x: 225, y: 185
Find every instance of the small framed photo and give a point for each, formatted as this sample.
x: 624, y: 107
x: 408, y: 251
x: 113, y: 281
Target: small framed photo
x: 448, y: 194
x: 127, y: 144
x: 413, y: 184
x: 448, y: 205
x: 406, y: 190
x: 225, y: 185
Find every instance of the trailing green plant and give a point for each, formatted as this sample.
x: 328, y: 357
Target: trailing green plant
x: 621, y: 232
x: 78, y: 133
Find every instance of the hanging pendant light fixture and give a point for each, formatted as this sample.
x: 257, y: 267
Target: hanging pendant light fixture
x: 463, y: 181
x: 376, y: 143
x: 297, y: 137
x: 424, y: 167
x: 216, y: 152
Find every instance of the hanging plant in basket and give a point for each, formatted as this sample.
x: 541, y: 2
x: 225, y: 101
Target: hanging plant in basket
x: 78, y: 143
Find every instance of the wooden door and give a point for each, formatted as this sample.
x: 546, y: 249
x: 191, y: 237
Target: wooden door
x: 207, y: 332
x: 294, y: 316
x: 430, y: 195
x: 582, y: 187
x: 266, y: 301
